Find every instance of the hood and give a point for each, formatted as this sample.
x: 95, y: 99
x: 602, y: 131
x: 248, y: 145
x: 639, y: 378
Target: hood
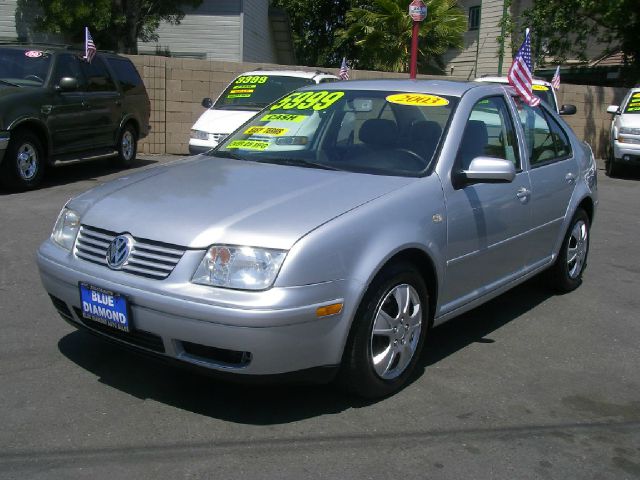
x: 207, y: 200
x: 222, y: 121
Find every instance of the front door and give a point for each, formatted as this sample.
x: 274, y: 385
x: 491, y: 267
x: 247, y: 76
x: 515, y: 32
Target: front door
x: 487, y: 222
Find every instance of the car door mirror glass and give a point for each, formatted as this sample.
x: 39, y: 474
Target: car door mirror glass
x: 613, y: 109
x: 568, y: 109
x: 68, y: 84
x: 207, y: 102
x: 489, y: 170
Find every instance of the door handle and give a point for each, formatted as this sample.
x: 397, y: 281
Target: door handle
x: 570, y: 178
x: 523, y: 194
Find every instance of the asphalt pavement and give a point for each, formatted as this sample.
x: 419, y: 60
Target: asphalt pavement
x: 529, y: 386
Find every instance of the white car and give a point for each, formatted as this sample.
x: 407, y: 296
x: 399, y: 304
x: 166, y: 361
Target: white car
x: 243, y: 98
x: 625, y: 133
x: 542, y: 89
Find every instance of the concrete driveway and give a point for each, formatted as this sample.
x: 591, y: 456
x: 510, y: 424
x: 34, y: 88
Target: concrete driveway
x: 529, y: 386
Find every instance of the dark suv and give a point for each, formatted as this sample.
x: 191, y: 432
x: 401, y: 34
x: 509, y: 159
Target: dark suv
x: 56, y: 107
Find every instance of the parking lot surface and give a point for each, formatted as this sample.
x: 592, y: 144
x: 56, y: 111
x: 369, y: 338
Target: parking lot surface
x: 531, y: 385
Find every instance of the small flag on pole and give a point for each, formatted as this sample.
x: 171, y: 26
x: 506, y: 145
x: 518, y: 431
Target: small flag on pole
x: 521, y: 72
x: 344, y: 70
x: 89, y: 46
x: 555, y: 81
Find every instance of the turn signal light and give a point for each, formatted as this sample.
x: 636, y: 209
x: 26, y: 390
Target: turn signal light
x: 327, y: 310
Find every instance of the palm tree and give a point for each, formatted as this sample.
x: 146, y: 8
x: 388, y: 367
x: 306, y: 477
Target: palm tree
x: 381, y: 33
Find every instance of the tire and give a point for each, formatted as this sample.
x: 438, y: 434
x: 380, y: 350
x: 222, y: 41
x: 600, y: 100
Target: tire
x: 23, y: 165
x: 566, y: 273
x: 127, y: 146
x: 611, y: 166
x: 378, y: 365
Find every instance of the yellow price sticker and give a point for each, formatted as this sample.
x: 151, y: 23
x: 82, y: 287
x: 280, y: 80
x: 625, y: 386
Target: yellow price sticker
x: 636, y: 95
x: 417, y: 99
x: 252, y: 79
x: 308, y: 100
x: 283, y: 117
x: 249, y: 144
x: 272, y: 131
x: 540, y: 87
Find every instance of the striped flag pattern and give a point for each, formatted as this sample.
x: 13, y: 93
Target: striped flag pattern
x: 89, y: 46
x: 555, y: 81
x: 521, y: 72
x: 344, y: 70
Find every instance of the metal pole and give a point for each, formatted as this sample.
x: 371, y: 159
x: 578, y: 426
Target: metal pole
x: 414, y: 50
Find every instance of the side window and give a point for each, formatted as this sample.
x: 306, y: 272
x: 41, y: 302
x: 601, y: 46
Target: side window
x: 545, y: 139
x: 126, y: 74
x: 67, y: 66
x: 490, y: 133
x: 98, y: 77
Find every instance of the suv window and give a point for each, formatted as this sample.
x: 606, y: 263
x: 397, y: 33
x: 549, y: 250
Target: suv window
x: 546, y: 140
x: 67, y: 65
x: 126, y: 74
x: 97, y: 76
x: 24, y: 67
x: 490, y: 133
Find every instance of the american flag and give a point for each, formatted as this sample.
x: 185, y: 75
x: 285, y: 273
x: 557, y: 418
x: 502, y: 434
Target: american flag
x: 555, y: 81
x: 89, y: 46
x: 344, y: 70
x: 521, y: 72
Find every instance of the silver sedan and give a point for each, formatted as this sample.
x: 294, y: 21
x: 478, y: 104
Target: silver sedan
x: 328, y: 235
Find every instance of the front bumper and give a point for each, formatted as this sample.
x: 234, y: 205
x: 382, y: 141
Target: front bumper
x: 246, y: 333
x: 627, y: 153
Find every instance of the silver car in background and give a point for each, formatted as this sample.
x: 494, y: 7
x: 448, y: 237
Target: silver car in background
x: 330, y: 233
x: 624, y: 147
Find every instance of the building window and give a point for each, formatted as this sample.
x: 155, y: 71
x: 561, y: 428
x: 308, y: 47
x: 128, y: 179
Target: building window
x: 474, y: 17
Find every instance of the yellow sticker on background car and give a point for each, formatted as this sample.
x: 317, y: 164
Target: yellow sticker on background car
x: 272, y: 131
x: 540, y: 87
x: 636, y: 95
x: 308, y: 100
x: 283, y: 117
x: 417, y: 99
x: 249, y: 144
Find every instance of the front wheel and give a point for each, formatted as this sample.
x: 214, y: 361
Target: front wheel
x: 387, y: 334
x: 566, y: 273
x: 127, y: 146
x: 611, y: 166
x: 23, y: 164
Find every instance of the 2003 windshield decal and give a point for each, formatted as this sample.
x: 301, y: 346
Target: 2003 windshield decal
x: 308, y: 100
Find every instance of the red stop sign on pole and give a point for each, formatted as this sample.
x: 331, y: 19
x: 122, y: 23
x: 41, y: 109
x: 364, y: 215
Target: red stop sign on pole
x: 417, y: 10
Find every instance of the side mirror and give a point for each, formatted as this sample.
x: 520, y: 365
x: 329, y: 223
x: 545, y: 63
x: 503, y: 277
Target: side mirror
x: 207, y: 102
x: 568, y: 109
x: 489, y: 170
x: 613, y: 109
x: 68, y: 84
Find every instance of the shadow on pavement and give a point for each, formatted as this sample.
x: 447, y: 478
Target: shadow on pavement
x: 182, y: 388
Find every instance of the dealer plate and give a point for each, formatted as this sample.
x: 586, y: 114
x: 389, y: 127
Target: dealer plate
x: 106, y: 307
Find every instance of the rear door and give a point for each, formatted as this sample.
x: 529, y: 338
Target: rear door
x: 103, y: 104
x: 553, y: 172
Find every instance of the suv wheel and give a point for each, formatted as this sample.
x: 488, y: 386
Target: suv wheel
x: 127, y: 146
x: 611, y: 167
x: 23, y: 165
x: 388, y: 333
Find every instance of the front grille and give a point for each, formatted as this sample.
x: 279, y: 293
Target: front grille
x: 218, y: 137
x: 148, y: 258
x: 140, y: 338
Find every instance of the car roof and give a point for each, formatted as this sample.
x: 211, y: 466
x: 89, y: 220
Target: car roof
x: 436, y: 87
x: 289, y: 73
x: 535, y: 81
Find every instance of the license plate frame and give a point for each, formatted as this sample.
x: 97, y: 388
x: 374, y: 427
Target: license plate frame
x: 97, y: 302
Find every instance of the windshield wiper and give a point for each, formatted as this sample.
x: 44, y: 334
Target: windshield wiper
x: 296, y: 162
x: 225, y: 154
x: 11, y: 84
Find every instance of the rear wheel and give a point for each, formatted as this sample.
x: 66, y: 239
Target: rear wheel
x: 611, y: 166
x: 23, y: 164
x: 127, y: 146
x: 566, y: 273
x: 388, y: 333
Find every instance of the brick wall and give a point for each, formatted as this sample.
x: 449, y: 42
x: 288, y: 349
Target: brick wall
x: 177, y: 86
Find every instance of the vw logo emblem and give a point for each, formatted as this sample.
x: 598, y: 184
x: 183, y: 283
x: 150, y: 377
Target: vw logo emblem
x: 119, y: 250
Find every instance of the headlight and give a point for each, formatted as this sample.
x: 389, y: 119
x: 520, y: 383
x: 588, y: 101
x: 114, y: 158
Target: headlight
x: 245, y: 268
x: 199, y: 135
x: 66, y: 228
x: 629, y: 131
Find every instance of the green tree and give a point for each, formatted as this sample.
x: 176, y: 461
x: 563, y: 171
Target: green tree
x: 114, y: 24
x: 566, y: 27
x: 381, y: 32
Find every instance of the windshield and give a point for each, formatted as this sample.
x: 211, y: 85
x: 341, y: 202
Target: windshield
x: 23, y: 67
x: 377, y: 132
x: 545, y: 94
x: 633, y: 106
x: 254, y: 92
